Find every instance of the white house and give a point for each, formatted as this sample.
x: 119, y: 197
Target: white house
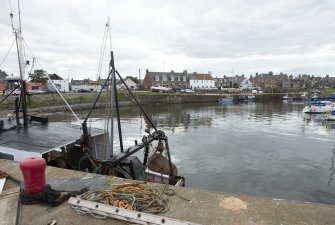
x: 202, y: 81
x: 246, y: 85
x: 130, y: 83
x: 61, y: 84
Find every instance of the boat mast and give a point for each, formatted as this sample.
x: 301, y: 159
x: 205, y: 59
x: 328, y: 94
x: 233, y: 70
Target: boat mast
x: 19, y: 46
x: 112, y: 67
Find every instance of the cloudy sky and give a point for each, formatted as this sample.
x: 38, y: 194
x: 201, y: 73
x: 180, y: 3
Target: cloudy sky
x: 221, y: 36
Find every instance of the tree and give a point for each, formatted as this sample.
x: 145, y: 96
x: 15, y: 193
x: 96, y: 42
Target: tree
x: 38, y: 76
x: 135, y: 79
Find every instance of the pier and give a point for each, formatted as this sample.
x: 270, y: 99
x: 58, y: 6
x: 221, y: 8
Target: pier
x: 203, y: 208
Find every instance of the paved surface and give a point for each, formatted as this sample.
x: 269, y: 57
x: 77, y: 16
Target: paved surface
x: 205, y: 207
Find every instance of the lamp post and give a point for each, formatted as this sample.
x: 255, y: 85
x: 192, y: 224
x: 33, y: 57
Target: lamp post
x: 68, y: 79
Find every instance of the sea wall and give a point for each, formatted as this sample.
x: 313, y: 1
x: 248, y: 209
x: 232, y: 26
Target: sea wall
x: 80, y: 101
x: 197, y: 98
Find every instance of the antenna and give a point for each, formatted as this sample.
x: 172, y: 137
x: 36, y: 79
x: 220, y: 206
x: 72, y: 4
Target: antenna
x: 19, y: 46
x: 19, y: 9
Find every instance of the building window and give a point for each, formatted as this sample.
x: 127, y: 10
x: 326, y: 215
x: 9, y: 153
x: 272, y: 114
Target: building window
x: 156, y: 78
x: 172, y: 78
x: 164, y: 78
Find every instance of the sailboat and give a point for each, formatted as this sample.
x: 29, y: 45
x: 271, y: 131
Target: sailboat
x: 82, y: 148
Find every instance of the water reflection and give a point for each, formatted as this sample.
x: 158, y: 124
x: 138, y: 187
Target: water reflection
x: 267, y: 149
x: 332, y: 168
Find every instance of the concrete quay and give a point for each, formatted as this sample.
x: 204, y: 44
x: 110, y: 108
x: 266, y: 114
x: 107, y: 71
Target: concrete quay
x: 204, y: 208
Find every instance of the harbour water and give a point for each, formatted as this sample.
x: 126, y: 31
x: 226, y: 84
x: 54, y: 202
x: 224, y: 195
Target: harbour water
x: 261, y: 149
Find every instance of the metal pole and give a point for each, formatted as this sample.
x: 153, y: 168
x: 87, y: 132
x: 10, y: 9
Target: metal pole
x: 111, y: 65
x: 17, y: 109
x: 132, y: 95
x: 97, y: 98
x: 169, y: 158
x: 112, y: 103
x: 23, y: 86
x: 118, y: 117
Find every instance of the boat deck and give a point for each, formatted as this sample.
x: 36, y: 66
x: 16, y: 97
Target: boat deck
x: 39, y: 138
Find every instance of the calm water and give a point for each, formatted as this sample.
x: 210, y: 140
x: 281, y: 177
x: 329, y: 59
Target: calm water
x: 263, y: 149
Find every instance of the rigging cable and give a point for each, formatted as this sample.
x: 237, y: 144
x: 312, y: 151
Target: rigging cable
x: 52, y: 83
x: 10, y: 6
x: 106, y: 122
x: 102, y: 52
x: 7, y: 53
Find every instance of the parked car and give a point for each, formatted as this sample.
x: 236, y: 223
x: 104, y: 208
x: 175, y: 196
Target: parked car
x: 186, y: 91
x: 83, y: 90
x: 36, y: 92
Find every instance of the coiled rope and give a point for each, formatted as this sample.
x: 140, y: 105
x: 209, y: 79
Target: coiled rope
x: 134, y: 196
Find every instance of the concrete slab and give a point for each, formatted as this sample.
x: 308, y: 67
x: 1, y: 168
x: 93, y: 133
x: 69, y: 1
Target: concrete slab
x: 205, y: 207
x: 8, y: 206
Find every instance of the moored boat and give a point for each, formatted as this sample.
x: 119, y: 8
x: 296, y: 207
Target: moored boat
x: 247, y: 98
x: 80, y: 147
x: 228, y: 100
x: 319, y: 107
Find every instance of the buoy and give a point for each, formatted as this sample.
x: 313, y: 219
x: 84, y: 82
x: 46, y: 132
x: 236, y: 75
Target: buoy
x: 33, y: 171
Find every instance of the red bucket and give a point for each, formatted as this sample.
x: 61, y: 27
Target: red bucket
x: 33, y: 171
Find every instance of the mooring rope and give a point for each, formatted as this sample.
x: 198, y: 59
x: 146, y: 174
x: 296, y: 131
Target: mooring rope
x: 52, y: 83
x: 134, y: 196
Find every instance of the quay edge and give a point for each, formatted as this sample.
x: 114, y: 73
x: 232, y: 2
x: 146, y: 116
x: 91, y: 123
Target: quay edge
x: 144, y: 99
x: 205, y: 207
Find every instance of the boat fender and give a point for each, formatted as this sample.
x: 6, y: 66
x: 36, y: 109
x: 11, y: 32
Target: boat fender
x: 160, y: 164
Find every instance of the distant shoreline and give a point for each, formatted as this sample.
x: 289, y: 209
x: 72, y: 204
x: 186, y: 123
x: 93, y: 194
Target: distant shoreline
x: 81, y: 101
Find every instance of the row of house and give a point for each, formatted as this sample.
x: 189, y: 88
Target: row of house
x: 185, y: 80
x: 178, y: 80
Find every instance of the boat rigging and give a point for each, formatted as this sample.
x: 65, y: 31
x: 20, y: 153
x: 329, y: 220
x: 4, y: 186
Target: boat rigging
x: 81, y: 148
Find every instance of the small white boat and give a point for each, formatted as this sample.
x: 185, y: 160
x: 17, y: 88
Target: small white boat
x: 286, y: 97
x: 247, y: 98
x: 304, y: 96
x: 160, y: 89
x: 319, y: 107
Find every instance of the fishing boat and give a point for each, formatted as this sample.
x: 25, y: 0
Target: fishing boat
x: 78, y: 146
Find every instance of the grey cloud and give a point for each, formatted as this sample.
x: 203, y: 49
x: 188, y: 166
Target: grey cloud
x: 249, y: 36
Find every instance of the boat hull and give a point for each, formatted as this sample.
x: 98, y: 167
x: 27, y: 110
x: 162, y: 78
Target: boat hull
x: 319, y: 107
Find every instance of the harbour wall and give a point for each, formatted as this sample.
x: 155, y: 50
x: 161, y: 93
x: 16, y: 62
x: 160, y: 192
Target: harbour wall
x: 198, y: 98
x: 82, y: 101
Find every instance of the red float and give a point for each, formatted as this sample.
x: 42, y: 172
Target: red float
x: 33, y: 171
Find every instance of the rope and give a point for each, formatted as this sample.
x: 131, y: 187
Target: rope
x: 171, y: 192
x: 7, y: 53
x: 133, y: 196
x: 52, y: 83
